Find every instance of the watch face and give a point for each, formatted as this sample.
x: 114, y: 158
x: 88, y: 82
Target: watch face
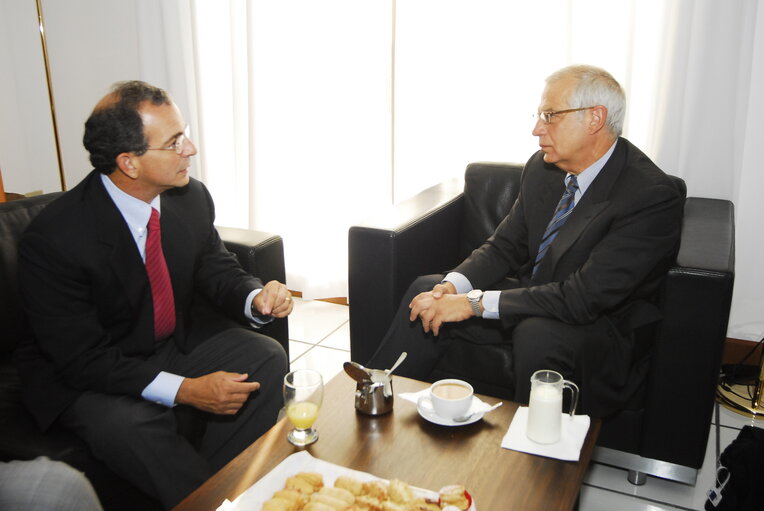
x: 475, y: 294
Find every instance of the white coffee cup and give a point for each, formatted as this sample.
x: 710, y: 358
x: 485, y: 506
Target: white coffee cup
x: 448, y: 399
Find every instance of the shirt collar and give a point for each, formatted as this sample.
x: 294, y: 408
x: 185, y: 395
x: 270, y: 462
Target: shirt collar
x: 135, y: 212
x: 586, y: 177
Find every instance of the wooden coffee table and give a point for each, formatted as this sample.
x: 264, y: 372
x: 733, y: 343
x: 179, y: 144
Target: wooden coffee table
x: 403, y: 445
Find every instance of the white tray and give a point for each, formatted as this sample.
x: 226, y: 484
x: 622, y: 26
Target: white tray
x: 254, y: 497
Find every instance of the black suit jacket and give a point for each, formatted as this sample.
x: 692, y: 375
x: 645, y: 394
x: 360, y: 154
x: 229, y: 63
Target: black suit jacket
x: 607, y: 259
x: 88, y: 298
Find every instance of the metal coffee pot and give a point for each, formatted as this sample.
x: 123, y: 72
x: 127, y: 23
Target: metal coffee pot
x: 374, y: 387
x: 375, y: 395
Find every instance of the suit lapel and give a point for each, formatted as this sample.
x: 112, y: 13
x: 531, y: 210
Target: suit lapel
x: 595, y: 200
x: 177, y: 242
x: 117, y: 243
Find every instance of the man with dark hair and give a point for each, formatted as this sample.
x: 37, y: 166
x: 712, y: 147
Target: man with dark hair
x: 573, y: 271
x: 116, y: 277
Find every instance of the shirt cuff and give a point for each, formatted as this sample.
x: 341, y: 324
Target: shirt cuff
x: 257, y: 320
x: 163, y: 389
x: 491, y: 304
x: 460, y: 282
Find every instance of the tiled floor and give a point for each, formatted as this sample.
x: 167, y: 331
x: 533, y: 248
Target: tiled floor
x: 320, y: 340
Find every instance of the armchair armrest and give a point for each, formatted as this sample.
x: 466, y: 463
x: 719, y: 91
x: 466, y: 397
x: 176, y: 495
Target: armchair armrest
x: 687, y: 354
x: 262, y: 255
x: 418, y: 236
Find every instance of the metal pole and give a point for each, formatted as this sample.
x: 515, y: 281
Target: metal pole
x: 41, y: 23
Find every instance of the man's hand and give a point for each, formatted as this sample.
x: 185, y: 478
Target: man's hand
x: 220, y: 392
x: 449, y: 308
x: 440, y: 305
x: 274, y: 300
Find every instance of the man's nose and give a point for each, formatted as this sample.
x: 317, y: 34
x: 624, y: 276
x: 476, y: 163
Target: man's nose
x: 189, y: 149
x: 539, y: 128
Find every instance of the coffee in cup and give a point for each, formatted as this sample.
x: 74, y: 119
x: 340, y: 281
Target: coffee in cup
x: 449, y: 398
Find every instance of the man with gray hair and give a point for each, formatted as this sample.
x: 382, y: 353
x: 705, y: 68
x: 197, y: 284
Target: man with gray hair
x: 574, y: 269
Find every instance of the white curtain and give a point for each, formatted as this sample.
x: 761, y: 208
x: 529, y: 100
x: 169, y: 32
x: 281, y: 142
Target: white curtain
x: 314, y: 114
x: 709, y: 129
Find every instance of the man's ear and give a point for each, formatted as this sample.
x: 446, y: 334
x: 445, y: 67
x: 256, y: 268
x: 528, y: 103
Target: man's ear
x: 126, y: 166
x: 597, y: 118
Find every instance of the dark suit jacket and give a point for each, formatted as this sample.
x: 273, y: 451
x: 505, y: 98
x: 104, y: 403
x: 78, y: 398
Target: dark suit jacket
x: 88, y: 299
x: 607, y: 259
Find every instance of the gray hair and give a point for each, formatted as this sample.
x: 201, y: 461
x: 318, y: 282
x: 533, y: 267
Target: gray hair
x: 595, y: 86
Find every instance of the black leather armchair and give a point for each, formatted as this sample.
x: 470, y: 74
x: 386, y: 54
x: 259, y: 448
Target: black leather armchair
x: 664, y: 430
x: 262, y: 254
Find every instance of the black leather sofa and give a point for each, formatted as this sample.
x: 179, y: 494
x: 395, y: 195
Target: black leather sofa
x: 664, y: 430
x: 262, y: 254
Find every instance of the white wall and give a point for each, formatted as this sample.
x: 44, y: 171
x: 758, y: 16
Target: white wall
x: 27, y: 149
x: 91, y: 45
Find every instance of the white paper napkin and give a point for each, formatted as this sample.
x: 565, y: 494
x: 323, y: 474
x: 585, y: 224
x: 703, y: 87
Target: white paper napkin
x: 477, y: 405
x: 568, y: 448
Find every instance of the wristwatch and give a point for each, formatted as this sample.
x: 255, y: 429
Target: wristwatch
x: 474, y: 298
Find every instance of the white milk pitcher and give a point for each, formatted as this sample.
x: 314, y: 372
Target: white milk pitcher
x: 545, y: 406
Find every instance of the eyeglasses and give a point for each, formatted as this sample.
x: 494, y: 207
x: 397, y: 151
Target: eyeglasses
x: 178, y: 144
x: 547, y: 117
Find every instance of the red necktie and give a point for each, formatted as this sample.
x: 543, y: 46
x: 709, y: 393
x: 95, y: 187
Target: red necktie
x: 159, y: 278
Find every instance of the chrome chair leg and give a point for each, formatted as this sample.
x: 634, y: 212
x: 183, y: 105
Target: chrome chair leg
x: 637, y: 478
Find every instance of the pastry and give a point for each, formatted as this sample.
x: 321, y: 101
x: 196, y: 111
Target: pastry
x: 376, y: 489
x: 454, y: 495
x: 421, y: 504
x: 350, y: 484
x: 299, y: 499
x: 277, y: 504
x: 305, y: 482
x: 314, y: 478
x: 400, y: 492
x: 298, y: 484
x: 393, y: 506
x: 368, y: 503
x: 317, y: 506
x: 334, y: 503
x: 338, y: 493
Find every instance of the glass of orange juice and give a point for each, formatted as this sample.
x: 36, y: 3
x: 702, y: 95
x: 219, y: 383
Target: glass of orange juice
x: 303, y: 393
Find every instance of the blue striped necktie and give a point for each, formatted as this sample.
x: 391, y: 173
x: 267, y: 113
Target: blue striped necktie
x: 564, y: 208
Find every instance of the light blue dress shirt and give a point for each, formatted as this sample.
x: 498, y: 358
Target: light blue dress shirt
x: 163, y: 389
x: 491, y: 298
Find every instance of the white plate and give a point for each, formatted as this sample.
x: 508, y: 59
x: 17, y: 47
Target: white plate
x: 430, y: 415
x: 252, y: 499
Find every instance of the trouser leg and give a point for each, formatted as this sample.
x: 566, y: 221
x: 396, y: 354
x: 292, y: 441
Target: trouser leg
x: 140, y: 441
x: 241, y: 351
x: 589, y: 355
x: 424, y: 349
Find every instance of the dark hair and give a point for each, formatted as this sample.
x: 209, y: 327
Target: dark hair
x: 116, y: 127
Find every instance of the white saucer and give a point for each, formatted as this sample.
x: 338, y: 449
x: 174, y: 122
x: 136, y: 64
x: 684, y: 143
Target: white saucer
x: 431, y: 416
